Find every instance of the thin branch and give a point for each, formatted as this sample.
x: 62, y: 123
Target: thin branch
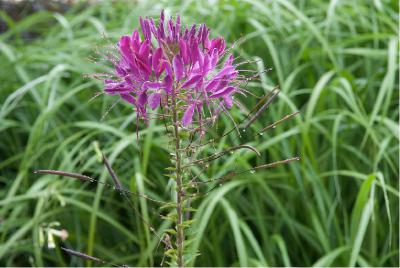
x: 232, y: 174
x: 82, y: 255
x: 109, y: 109
x: 111, y: 172
x: 85, y: 178
x: 287, y: 117
x: 64, y: 173
x: 220, y: 154
x: 132, y: 206
x: 275, y: 93
x: 266, y: 98
x: 88, y: 257
x: 273, y: 164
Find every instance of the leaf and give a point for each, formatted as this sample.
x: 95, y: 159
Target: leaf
x: 170, y: 231
x: 361, y: 215
x: 330, y: 257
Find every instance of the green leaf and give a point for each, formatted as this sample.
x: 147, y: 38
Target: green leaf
x: 361, y: 215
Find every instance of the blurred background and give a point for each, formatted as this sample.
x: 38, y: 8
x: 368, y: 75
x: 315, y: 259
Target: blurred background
x: 335, y: 61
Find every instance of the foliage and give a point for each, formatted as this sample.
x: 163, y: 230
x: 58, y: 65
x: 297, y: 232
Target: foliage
x: 336, y: 62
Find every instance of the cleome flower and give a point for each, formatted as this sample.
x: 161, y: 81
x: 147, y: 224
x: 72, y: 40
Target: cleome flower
x: 172, y: 62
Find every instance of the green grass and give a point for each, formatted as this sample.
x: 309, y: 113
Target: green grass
x: 336, y: 62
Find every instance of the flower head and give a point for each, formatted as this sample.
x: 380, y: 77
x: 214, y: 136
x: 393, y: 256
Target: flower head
x: 173, y: 62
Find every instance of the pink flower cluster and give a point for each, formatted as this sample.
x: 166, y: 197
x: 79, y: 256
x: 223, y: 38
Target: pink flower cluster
x: 181, y: 62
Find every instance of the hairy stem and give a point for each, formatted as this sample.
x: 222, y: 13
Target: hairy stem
x: 180, y: 237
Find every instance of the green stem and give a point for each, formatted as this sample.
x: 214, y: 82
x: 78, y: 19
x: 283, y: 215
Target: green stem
x: 180, y: 237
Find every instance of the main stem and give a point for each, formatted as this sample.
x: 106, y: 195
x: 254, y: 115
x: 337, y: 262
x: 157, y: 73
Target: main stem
x: 180, y: 237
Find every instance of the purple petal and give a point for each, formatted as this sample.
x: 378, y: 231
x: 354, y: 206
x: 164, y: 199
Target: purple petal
x: 212, y: 84
x: 112, y: 87
x: 192, y: 31
x: 219, y: 44
x: 156, y: 59
x: 222, y: 47
x: 154, y: 100
x: 178, y: 26
x: 153, y: 85
x: 142, y: 99
x: 188, y: 115
x: 223, y: 84
x: 141, y: 111
x: 167, y: 68
x: 222, y: 92
x: 148, y: 30
x: 144, y: 50
x: 232, y: 75
x: 199, y: 84
x: 144, y: 24
x: 143, y: 67
x: 186, y: 34
x: 153, y: 28
x: 206, y: 64
x: 225, y: 71
x: 183, y: 51
x: 170, y: 27
x: 206, y: 39
x: 214, y: 58
x: 168, y: 84
x: 200, y: 32
x: 120, y: 71
x: 141, y: 21
x: 228, y: 101
x: 229, y: 61
x: 161, y: 32
x: 193, y: 50
x: 129, y: 98
x: 178, y: 67
x: 192, y: 80
x: 136, y: 41
x: 125, y: 47
x: 200, y: 58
